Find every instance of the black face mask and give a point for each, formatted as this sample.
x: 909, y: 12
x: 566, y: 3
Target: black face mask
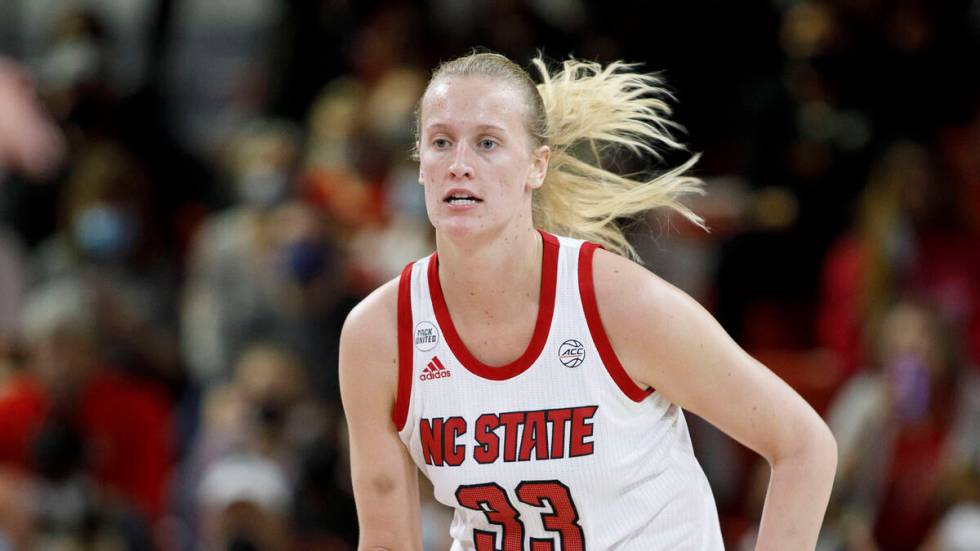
x: 242, y: 542
x: 305, y: 260
x: 271, y: 413
x: 58, y: 450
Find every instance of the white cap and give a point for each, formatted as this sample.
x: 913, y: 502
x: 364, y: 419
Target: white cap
x: 959, y: 529
x: 245, y: 478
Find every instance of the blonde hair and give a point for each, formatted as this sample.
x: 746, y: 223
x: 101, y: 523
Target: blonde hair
x: 587, y: 113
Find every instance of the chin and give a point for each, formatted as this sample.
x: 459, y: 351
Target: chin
x: 463, y: 228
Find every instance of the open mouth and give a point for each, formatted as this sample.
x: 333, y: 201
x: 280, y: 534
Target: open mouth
x: 462, y: 199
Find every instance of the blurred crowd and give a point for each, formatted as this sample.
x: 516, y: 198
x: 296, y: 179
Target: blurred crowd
x: 194, y: 193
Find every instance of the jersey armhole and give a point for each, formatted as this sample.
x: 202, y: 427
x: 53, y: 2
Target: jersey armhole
x: 399, y: 412
x: 591, y: 308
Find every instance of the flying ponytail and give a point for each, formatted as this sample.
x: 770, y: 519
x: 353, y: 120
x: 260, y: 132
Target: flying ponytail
x: 585, y: 113
x: 591, y: 111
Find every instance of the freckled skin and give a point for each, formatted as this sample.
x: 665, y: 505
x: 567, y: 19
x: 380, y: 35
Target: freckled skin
x: 473, y: 138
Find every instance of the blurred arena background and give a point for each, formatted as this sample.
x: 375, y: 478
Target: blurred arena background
x: 193, y: 193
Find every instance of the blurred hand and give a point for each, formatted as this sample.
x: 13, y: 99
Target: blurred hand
x: 30, y: 143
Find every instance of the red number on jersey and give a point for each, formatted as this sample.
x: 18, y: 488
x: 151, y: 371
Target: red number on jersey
x: 563, y: 517
x: 492, y: 500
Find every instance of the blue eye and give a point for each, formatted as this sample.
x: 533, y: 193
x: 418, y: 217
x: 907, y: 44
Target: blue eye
x: 487, y: 144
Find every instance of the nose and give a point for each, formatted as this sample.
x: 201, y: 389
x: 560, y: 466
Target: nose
x: 461, y: 167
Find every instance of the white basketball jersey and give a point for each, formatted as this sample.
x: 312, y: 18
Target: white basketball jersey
x: 558, y: 450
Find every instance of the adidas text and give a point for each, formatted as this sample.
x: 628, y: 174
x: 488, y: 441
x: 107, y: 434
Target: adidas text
x: 436, y: 375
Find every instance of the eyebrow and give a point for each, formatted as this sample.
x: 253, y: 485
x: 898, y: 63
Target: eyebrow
x: 479, y: 127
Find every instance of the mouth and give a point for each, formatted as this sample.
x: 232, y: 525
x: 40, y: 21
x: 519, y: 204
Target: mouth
x: 461, y: 197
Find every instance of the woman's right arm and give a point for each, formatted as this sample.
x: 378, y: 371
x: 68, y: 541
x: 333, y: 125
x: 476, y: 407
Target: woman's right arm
x: 384, y: 478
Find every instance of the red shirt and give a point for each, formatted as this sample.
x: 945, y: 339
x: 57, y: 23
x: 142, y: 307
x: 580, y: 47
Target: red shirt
x: 125, y: 423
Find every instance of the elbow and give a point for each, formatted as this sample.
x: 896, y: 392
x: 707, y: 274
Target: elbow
x: 825, y: 442
x: 820, y: 449
x: 812, y: 445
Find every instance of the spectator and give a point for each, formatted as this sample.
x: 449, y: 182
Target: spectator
x: 244, y: 503
x: 108, y: 240
x: 268, y: 413
x: 909, y: 237
x: 285, y: 281
x: 895, y: 427
x: 69, y: 417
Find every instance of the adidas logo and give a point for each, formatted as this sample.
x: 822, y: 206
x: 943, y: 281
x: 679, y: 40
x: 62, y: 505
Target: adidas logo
x: 434, y: 370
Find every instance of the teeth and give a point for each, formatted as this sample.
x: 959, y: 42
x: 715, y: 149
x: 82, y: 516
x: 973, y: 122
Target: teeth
x: 462, y: 201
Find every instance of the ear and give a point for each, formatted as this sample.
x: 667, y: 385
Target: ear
x: 539, y: 167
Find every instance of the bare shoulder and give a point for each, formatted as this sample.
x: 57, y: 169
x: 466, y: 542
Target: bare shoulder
x: 645, y: 315
x: 664, y: 339
x: 369, y: 341
x: 377, y: 311
x: 628, y: 291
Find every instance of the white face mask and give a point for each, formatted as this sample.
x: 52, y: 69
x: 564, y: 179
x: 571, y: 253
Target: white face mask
x: 105, y: 231
x: 262, y: 186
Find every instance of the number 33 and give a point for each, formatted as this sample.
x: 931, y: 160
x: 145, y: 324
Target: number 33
x: 492, y: 500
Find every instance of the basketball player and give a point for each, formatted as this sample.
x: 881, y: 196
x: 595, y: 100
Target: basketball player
x: 537, y: 379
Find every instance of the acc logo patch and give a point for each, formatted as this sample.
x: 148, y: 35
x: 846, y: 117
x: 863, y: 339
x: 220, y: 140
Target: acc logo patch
x: 571, y: 353
x: 426, y: 336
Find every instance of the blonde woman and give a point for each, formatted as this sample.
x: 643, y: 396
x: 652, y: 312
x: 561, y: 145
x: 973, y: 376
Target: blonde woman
x: 529, y: 368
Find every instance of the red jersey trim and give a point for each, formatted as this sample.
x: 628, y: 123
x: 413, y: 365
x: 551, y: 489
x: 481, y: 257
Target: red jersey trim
x: 399, y: 412
x: 599, y: 337
x: 546, y: 308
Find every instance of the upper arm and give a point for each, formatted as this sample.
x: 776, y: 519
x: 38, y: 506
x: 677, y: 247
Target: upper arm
x: 666, y: 340
x: 384, y: 478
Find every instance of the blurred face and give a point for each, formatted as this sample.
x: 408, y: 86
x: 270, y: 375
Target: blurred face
x: 908, y: 331
x: 304, y: 253
x: 264, y: 168
x: 267, y: 374
x: 911, y: 361
x: 63, y: 360
x: 475, y: 157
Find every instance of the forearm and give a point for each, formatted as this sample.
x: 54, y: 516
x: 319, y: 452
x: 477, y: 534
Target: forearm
x: 388, y: 511
x: 799, y: 490
x: 385, y: 539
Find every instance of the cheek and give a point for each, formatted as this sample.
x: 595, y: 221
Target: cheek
x: 428, y: 196
x: 432, y: 200
x: 426, y: 172
x: 425, y: 165
x: 518, y: 180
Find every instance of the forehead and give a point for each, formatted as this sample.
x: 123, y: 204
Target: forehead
x: 472, y: 101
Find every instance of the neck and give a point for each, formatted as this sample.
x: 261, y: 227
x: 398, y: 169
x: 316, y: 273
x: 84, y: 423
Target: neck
x: 486, y: 274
